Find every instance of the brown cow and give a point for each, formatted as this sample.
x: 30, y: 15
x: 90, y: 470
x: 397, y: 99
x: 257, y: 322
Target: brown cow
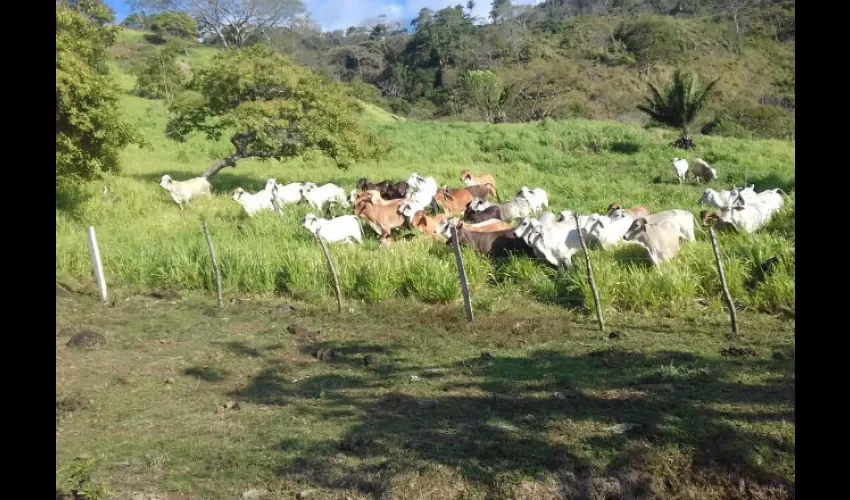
x: 636, y: 211
x: 382, y: 215
x: 484, y: 179
x: 496, y: 244
x: 455, y: 201
x: 427, y: 225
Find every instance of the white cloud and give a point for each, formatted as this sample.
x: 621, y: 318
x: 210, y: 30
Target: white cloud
x: 340, y: 14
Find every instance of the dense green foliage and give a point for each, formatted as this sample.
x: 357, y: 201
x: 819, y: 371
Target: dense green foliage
x: 176, y: 24
x: 562, y: 59
x: 272, y: 107
x: 677, y: 106
x: 160, y: 77
x: 89, y: 131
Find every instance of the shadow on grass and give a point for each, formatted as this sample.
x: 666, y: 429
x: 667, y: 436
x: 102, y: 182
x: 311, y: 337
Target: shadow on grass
x: 548, y: 413
x: 772, y: 181
x: 206, y: 373
x: 625, y: 147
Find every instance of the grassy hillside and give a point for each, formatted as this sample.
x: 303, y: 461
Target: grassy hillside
x: 584, y: 165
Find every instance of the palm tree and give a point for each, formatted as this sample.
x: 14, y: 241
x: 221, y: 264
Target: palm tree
x: 678, y: 106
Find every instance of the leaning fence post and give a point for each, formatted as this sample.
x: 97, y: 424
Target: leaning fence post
x: 275, y: 203
x: 733, y: 318
x: 333, y: 271
x: 219, y: 297
x: 590, y: 275
x: 461, y: 274
x: 94, y: 251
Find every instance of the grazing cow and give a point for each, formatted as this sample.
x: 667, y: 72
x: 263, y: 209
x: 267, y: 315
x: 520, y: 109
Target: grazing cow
x: 389, y: 190
x: 484, y: 179
x: 584, y: 221
x: 455, y: 201
x: 701, y: 170
x: 660, y: 239
x: 615, y: 210
x: 409, y: 207
x: 491, y: 212
x: 747, y: 194
x: 382, y: 215
x: 289, y: 194
x: 680, y: 168
x: 323, y: 196
x: 426, y: 224
x: 495, y: 244
x: 340, y: 229
x: 556, y: 242
x: 771, y: 199
x: 537, y: 197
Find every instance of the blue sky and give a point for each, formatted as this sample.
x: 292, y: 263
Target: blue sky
x: 340, y: 14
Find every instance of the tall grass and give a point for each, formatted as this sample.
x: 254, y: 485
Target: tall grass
x: 147, y: 241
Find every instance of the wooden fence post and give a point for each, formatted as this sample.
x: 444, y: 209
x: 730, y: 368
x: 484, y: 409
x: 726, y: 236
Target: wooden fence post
x: 733, y: 318
x: 461, y: 274
x: 219, y: 297
x: 590, y: 276
x: 332, y: 269
x: 275, y: 203
x: 94, y: 252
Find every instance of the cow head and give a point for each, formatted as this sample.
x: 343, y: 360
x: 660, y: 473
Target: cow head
x: 637, y: 227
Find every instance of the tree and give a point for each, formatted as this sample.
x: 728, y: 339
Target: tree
x: 235, y: 23
x: 679, y: 105
x: 176, y: 24
x: 89, y: 131
x: 160, y: 77
x: 500, y: 10
x: 273, y: 109
x: 650, y: 39
x: 485, y: 92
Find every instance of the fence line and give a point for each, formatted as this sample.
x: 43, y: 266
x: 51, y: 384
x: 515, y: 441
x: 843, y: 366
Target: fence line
x: 94, y: 252
x: 590, y: 275
x: 461, y: 274
x: 332, y: 269
x: 218, y: 293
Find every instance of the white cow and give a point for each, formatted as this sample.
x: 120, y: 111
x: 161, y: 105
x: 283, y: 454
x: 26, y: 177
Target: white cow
x: 537, y: 197
x: 409, y: 207
x: 682, y: 219
x: 184, y: 191
x: 556, y: 242
x: 289, y: 194
x: 660, y: 238
x: 607, y: 231
x: 716, y: 199
x: 421, y: 189
x: 680, y: 168
x: 749, y: 218
x: 254, y: 203
x: 345, y: 229
x: 702, y: 170
x: 323, y: 196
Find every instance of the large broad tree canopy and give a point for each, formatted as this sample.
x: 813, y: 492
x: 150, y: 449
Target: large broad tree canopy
x: 89, y: 131
x: 272, y: 108
x: 235, y: 23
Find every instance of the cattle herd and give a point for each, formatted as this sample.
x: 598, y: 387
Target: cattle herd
x: 487, y: 227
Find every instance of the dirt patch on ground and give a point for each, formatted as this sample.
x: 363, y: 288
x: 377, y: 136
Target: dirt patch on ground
x: 86, y: 339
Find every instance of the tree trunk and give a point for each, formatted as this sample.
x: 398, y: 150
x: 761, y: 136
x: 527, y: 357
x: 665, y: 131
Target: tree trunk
x: 230, y: 161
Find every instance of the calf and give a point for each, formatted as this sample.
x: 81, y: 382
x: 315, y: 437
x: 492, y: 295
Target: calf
x: 660, y: 239
x: 491, y: 212
x: 455, y: 201
x: 484, y: 180
x: 615, y: 210
x: 495, y: 244
x: 515, y: 209
x: 382, y: 215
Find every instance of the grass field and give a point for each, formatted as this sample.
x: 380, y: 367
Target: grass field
x: 554, y: 409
